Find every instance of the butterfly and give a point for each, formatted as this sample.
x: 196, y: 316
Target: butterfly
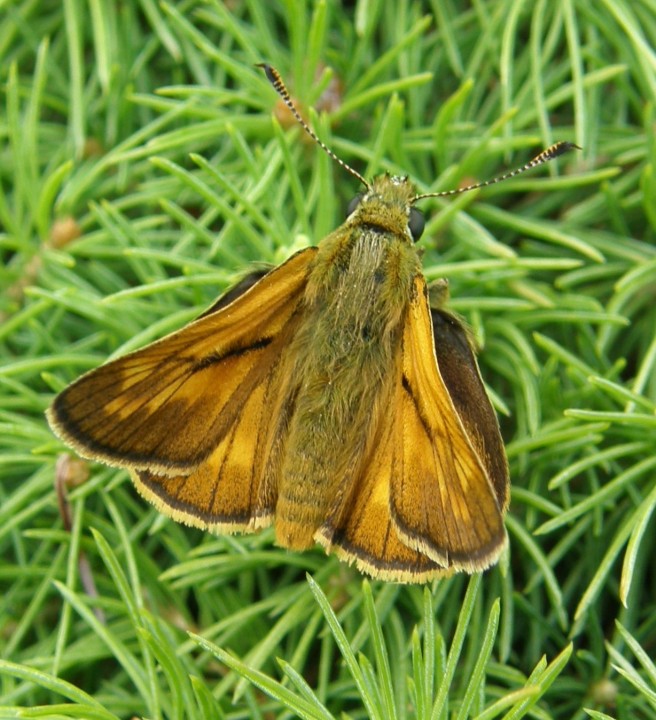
x: 326, y: 397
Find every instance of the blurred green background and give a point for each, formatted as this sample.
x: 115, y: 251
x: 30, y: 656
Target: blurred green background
x: 142, y: 172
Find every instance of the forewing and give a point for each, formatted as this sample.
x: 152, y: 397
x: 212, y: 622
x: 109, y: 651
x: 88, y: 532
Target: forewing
x: 165, y: 408
x: 443, y: 501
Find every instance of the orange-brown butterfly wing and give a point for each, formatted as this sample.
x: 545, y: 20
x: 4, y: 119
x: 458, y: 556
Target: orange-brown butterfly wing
x: 361, y: 530
x: 225, y: 492
x: 429, y: 498
x: 458, y: 368
x: 164, y: 409
x: 448, y: 501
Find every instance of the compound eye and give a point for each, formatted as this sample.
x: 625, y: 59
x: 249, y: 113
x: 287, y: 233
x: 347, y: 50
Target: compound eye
x: 353, y: 204
x: 416, y: 223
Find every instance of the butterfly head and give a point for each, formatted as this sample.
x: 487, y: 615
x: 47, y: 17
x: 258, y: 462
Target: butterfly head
x: 388, y: 204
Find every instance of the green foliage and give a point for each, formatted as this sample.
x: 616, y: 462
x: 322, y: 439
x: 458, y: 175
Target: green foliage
x: 141, y: 172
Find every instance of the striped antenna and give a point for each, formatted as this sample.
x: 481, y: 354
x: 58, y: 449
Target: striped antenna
x: 550, y: 153
x: 273, y: 76
x: 559, y: 148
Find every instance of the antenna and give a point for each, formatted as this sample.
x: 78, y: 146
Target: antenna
x: 559, y: 148
x: 273, y: 76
